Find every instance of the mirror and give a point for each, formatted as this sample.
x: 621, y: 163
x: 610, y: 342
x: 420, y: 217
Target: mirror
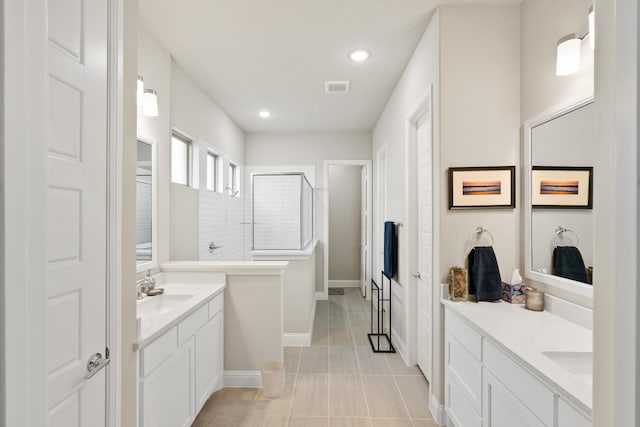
x: 558, y: 186
x: 145, y: 205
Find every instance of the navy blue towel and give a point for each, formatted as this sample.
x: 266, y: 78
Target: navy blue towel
x: 390, y: 249
x: 568, y: 263
x: 484, y: 276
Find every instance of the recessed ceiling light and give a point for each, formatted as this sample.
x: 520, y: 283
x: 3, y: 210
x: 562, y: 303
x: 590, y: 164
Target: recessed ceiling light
x: 359, y: 55
x: 265, y: 114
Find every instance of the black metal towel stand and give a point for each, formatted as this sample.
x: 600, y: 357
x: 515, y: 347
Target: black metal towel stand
x: 384, y: 345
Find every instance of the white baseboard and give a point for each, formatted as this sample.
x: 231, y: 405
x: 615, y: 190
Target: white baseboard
x: 296, y: 339
x: 321, y: 296
x: 438, y: 411
x: 399, y: 344
x: 344, y: 283
x: 236, y: 379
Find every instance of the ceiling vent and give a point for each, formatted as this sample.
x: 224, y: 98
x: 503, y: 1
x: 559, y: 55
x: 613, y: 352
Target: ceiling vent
x: 337, y: 87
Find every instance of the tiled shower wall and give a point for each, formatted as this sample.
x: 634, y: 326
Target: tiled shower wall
x: 226, y: 221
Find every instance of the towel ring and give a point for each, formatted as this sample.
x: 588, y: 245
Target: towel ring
x: 471, y: 242
x: 559, y: 231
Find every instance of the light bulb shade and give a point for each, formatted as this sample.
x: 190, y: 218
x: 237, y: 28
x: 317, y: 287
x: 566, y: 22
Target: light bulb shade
x: 150, y: 105
x: 592, y: 28
x: 140, y: 91
x: 568, y: 60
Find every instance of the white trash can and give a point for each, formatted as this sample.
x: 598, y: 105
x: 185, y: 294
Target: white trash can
x: 272, y: 379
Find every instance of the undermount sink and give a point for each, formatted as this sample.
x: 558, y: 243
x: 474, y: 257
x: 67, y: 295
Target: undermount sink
x: 579, y: 363
x: 160, y: 304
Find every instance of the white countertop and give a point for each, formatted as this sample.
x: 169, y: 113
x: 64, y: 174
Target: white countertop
x: 151, y: 326
x: 525, y: 334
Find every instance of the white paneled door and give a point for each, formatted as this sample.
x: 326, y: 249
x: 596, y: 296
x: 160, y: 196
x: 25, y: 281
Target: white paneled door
x: 425, y: 244
x: 76, y: 210
x: 364, y: 229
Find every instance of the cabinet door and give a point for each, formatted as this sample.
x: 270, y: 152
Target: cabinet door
x: 501, y: 408
x: 209, y: 363
x: 167, y: 394
x: 568, y: 416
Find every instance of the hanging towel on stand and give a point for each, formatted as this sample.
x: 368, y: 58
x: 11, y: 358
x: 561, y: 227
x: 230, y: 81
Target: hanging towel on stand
x: 568, y: 263
x: 390, y: 249
x: 484, y: 275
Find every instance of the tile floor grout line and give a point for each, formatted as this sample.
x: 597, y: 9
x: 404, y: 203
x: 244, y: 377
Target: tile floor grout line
x: 364, y: 391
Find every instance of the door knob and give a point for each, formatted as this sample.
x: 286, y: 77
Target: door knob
x: 95, y: 364
x: 417, y: 275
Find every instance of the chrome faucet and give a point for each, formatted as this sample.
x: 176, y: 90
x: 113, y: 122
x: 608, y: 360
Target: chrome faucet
x: 144, y: 285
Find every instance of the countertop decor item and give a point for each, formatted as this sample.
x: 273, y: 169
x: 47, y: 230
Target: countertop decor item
x: 458, y: 288
x: 534, y: 299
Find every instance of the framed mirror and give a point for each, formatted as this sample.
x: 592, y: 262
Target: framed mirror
x: 145, y: 205
x: 558, y: 190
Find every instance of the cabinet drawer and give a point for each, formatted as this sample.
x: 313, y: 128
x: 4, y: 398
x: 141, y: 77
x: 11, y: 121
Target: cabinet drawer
x: 158, y: 351
x: 462, y: 367
x: 528, y: 390
x: 459, y: 410
x: 191, y: 324
x: 568, y: 416
x: 469, y: 338
x: 216, y: 305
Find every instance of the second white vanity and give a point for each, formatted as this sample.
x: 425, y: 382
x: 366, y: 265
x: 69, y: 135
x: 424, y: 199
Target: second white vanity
x: 181, y: 342
x: 506, y: 366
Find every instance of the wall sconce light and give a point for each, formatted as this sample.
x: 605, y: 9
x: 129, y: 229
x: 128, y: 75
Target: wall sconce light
x: 569, y: 47
x: 568, y: 60
x: 150, y: 103
x: 140, y: 91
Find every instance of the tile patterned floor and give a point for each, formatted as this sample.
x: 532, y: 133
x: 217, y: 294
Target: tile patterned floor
x: 339, y: 381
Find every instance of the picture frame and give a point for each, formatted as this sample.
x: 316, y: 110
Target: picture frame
x: 482, y: 187
x: 562, y: 187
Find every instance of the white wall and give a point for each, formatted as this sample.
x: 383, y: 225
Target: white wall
x: 421, y: 72
x: 543, y: 22
x: 308, y: 149
x: 471, y: 57
x: 344, y: 222
x: 182, y: 212
x: 154, y: 65
x: 198, y: 116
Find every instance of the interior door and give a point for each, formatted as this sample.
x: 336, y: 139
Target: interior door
x: 76, y: 211
x: 424, y: 275
x: 364, y: 226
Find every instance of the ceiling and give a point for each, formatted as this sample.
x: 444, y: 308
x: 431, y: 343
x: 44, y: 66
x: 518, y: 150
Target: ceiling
x: 250, y: 55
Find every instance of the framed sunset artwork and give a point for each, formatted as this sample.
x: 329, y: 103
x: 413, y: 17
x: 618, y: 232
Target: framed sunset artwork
x: 562, y: 187
x: 482, y: 187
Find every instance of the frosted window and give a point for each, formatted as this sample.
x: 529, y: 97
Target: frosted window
x: 179, y: 160
x: 212, y: 171
x: 233, y: 177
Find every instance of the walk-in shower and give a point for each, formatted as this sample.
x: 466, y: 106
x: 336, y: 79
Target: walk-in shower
x: 282, y: 211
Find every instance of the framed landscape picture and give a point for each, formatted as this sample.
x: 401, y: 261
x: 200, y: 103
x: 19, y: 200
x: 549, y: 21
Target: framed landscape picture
x: 482, y: 187
x: 562, y: 187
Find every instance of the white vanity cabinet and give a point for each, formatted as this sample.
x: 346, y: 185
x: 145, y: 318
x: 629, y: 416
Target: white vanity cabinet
x: 486, y: 387
x: 180, y: 369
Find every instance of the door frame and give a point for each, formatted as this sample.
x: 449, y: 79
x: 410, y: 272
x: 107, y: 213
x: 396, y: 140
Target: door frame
x: 23, y: 339
x: 422, y: 107
x: 366, y: 164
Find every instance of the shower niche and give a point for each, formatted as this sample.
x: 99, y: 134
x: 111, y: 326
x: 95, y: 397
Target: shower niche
x: 282, y: 211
